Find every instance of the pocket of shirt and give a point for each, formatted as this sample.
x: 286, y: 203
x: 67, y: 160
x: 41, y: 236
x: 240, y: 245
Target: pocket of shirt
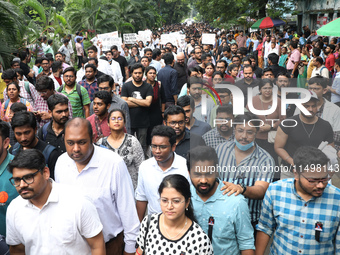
x: 64, y: 230
x: 327, y: 235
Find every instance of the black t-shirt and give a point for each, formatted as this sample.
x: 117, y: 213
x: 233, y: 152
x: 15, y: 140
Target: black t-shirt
x: 26, y: 69
x: 189, y: 141
x: 123, y: 63
x: 182, y: 75
x: 52, y: 159
x: 139, y: 115
x: 298, y: 136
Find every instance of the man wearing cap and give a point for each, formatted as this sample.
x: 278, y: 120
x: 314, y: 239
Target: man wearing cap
x: 301, y: 130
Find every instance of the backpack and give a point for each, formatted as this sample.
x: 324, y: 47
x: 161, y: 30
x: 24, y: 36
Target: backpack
x: 44, y: 131
x: 27, y: 88
x: 78, y: 88
x: 46, y: 152
x: 21, y: 101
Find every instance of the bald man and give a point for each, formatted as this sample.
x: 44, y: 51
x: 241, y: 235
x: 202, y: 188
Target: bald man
x: 181, y: 68
x: 102, y: 175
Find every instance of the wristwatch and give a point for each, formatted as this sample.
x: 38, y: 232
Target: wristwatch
x: 244, y: 187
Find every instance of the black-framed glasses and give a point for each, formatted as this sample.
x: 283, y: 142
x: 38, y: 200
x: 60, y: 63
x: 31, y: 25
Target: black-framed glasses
x: 315, y: 182
x: 174, y: 123
x: 28, y: 179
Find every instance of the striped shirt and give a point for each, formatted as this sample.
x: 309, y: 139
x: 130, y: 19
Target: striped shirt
x: 75, y: 100
x: 258, y: 166
x: 292, y: 220
x: 213, y: 138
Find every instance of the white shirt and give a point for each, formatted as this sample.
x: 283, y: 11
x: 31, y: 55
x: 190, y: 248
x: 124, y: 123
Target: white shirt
x: 150, y: 176
x: 267, y: 47
x: 59, y: 228
x: 107, y: 182
x: 56, y: 83
x: 105, y: 67
x: 322, y: 70
x: 117, y: 73
x: 80, y: 74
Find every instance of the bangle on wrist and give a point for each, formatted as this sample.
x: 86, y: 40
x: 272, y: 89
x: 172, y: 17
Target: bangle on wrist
x: 287, y: 158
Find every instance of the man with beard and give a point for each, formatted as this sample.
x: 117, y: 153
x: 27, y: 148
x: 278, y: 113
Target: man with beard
x: 330, y: 60
x: 165, y: 161
x: 181, y: 69
x: 198, y: 56
x: 223, y: 131
x: 45, y: 64
x: 138, y: 95
x: 77, y: 94
x: 246, y: 165
x: 283, y: 81
x: 98, y: 120
x: 90, y: 81
x: 24, y: 125
x: 40, y: 209
x: 247, y: 81
x: 309, y: 130
x: 233, y: 49
x: 231, y: 231
x: 221, y: 66
x: 61, y: 57
x: 195, y: 88
x: 103, y: 65
x: 306, y: 220
x: 53, y: 132
x: 195, y: 126
x: 174, y: 117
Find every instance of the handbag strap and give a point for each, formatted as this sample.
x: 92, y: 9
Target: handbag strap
x: 146, y: 233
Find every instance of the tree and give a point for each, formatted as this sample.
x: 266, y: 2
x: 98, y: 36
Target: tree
x: 12, y: 24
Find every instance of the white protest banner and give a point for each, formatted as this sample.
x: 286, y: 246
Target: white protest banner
x: 130, y: 38
x: 208, y: 38
x: 109, y: 39
x: 144, y: 35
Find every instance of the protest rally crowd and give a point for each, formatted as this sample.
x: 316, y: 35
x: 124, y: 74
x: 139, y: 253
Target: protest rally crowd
x: 139, y: 149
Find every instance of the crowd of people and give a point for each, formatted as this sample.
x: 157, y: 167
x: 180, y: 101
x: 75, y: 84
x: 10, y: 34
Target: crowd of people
x: 142, y: 151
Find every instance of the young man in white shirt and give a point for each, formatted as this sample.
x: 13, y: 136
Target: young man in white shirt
x: 36, y: 220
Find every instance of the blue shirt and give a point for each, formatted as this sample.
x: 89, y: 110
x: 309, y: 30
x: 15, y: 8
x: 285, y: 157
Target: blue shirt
x: 258, y: 166
x: 292, y: 220
x: 168, y: 77
x: 232, y: 230
x: 7, y: 187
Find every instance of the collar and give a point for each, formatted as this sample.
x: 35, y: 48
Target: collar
x: 175, y: 164
x: 185, y: 137
x: 52, y: 198
x: 294, y: 191
x: 217, y: 195
x: 94, y: 161
x: 5, y: 163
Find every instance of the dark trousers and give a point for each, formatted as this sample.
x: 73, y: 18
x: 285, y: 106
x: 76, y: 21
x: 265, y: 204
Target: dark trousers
x: 141, y: 136
x: 80, y: 61
x: 116, y: 245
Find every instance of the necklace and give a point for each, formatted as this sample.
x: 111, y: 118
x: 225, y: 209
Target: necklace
x: 303, y: 125
x: 172, y: 237
x: 55, y: 131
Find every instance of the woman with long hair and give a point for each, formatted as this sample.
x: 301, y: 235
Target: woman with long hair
x: 13, y: 93
x: 126, y: 145
x: 174, y: 231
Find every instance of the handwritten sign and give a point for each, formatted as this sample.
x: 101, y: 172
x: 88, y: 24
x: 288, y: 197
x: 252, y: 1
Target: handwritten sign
x: 130, y: 38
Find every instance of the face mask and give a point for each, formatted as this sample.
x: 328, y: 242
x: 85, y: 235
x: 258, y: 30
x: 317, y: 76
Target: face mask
x: 244, y: 147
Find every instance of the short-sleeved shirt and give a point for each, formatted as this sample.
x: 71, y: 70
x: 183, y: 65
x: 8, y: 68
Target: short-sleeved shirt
x: 200, y: 128
x: 99, y: 126
x: 139, y: 115
x: 292, y: 220
x: 258, y: 166
x: 6, y: 186
x: 194, y: 241
x: 41, y: 230
x: 77, y: 105
x: 188, y: 142
x: 295, y: 56
x: 232, y: 230
x: 297, y: 136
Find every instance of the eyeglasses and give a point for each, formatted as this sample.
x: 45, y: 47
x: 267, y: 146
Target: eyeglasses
x: 28, y: 179
x: 315, y: 182
x: 160, y: 147
x: 68, y: 76
x: 174, y: 202
x: 117, y: 119
x: 249, y: 133
x: 174, y: 123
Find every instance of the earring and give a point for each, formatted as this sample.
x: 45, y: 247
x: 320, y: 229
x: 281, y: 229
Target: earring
x: 186, y: 209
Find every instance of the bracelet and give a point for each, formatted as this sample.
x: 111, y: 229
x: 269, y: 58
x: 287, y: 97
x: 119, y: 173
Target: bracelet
x: 138, y: 252
x: 287, y: 158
